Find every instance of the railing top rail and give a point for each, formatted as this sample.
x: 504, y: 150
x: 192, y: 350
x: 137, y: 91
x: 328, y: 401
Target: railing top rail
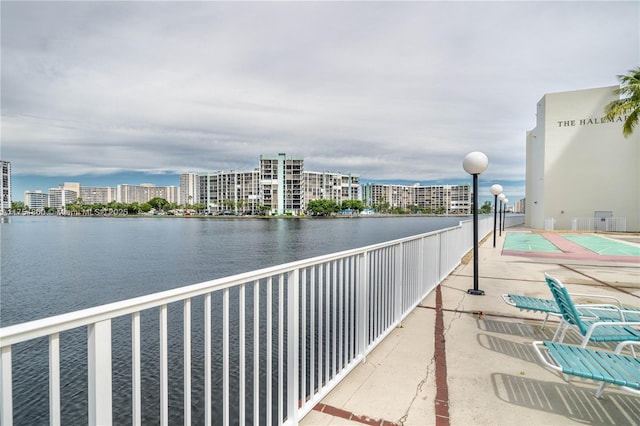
x: 46, y: 326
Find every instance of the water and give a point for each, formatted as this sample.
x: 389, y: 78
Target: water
x: 53, y: 265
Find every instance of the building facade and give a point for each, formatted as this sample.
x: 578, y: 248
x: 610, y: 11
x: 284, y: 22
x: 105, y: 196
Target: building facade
x: 445, y: 199
x: 282, y: 184
x: 189, y: 188
x: 60, y: 197
x: 230, y: 192
x: 36, y: 200
x: 97, y: 195
x: 144, y: 192
x: 579, y: 165
x: 330, y: 186
x: 5, y: 186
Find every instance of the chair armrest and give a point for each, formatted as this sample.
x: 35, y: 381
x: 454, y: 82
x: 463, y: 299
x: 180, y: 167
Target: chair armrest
x: 599, y: 296
x: 547, y: 360
x: 507, y: 299
x: 624, y: 344
x: 593, y: 326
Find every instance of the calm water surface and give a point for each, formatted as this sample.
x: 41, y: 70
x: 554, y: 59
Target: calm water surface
x: 53, y: 265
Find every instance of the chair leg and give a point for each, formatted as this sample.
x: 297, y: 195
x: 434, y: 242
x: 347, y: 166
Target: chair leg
x: 558, y: 330
x: 564, y: 332
x: 600, y: 390
x: 544, y: 322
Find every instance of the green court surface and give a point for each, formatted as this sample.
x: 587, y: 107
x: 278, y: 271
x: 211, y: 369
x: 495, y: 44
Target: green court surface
x: 529, y: 242
x: 604, y: 246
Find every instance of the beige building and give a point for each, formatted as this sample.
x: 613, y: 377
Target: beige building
x: 189, y: 188
x: 330, y: 186
x: 446, y: 199
x: 144, y: 192
x: 97, y: 195
x: 582, y: 174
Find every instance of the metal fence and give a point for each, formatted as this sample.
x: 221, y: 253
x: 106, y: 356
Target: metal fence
x: 609, y: 224
x: 262, y: 347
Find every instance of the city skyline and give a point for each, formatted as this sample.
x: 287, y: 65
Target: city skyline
x: 112, y: 181
x: 391, y: 91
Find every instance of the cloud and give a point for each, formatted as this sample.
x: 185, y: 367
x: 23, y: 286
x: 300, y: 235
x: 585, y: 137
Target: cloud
x: 388, y: 90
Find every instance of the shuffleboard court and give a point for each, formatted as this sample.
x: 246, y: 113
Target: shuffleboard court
x: 604, y: 246
x: 523, y: 241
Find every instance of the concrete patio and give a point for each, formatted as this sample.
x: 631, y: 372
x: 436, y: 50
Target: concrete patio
x: 461, y: 359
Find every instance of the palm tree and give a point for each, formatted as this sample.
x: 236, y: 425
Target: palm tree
x: 629, y: 106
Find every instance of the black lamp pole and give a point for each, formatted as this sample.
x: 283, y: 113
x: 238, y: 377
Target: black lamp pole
x: 500, y: 217
x: 475, y: 163
x: 475, y: 290
x: 495, y: 218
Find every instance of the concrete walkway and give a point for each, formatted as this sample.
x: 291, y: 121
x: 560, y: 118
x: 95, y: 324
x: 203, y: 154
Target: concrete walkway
x: 460, y: 359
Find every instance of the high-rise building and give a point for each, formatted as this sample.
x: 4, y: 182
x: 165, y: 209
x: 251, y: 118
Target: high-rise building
x: 582, y: 173
x: 189, y: 188
x: 5, y: 186
x: 97, y: 195
x: 282, y: 183
x: 59, y: 197
x: 36, y: 200
x: 330, y: 186
x: 230, y: 192
x: 144, y: 192
x: 447, y: 199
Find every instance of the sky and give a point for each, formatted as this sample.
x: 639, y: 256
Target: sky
x: 105, y: 93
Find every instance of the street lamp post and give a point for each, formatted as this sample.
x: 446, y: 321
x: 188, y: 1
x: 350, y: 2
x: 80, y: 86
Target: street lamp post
x: 501, y: 197
x: 475, y: 163
x: 495, y: 190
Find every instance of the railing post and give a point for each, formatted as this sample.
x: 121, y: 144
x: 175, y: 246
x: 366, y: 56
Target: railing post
x: 54, y: 379
x: 99, y: 369
x: 362, y: 312
x: 399, y: 284
x: 6, y: 385
x: 293, y: 342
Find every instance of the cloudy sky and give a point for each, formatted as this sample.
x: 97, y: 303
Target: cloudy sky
x: 386, y: 90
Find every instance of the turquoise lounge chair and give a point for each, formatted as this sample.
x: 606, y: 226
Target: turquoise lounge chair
x: 613, y: 311
x: 591, y: 331
x: 606, y: 367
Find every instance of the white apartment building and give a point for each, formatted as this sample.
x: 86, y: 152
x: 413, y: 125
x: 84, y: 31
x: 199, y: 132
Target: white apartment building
x: 144, y: 192
x: 36, y: 200
x: 60, y: 197
x: 5, y: 186
x: 97, y: 195
x: 580, y: 168
x: 230, y: 192
x: 447, y: 199
x: 282, y: 183
x: 189, y: 188
x: 330, y: 186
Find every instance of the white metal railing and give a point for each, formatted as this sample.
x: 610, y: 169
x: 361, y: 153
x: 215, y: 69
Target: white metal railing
x: 611, y: 224
x: 582, y: 224
x: 549, y: 223
x: 616, y: 224
x: 288, y: 333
